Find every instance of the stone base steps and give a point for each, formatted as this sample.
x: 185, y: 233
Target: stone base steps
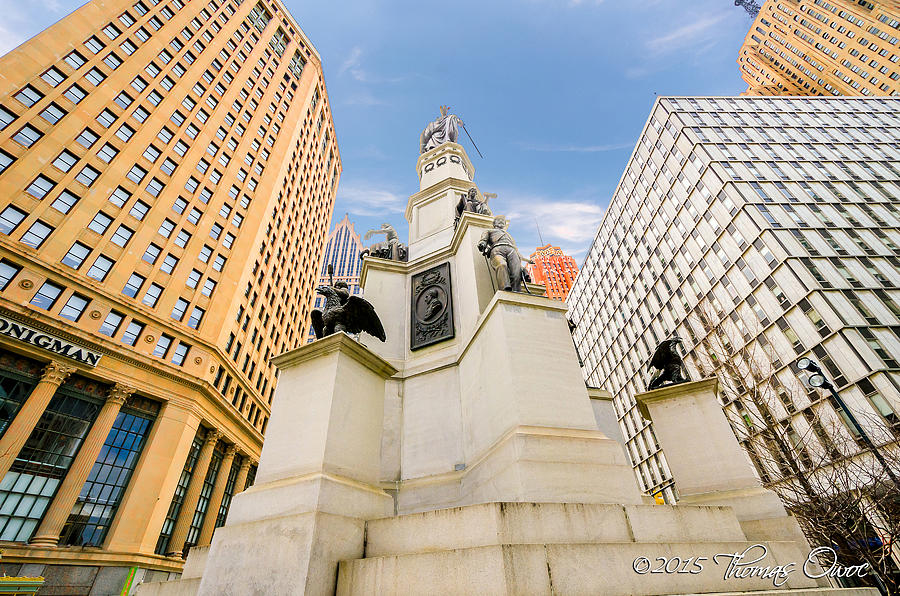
x: 564, y: 548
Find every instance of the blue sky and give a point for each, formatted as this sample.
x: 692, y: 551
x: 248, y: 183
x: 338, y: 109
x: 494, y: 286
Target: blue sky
x: 555, y: 93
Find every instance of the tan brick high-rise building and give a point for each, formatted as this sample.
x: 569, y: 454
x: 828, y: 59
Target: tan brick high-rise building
x: 167, y: 172
x: 823, y: 47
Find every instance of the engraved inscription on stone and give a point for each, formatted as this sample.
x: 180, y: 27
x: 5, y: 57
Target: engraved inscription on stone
x: 432, y: 307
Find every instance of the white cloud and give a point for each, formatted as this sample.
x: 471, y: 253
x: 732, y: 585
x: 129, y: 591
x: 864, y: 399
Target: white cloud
x: 353, y: 65
x: 566, y: 222
x: 9, y: 39
x: 695, y: 32
x: 369, y: 199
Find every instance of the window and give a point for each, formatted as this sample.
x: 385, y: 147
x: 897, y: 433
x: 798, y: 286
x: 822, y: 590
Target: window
x: 136, y: 174
x: 182, y: 238
x: 168, y: 264
x: 107, y: 153
x: 87, y: 138
x: 166, y: 227
x: 119, y: 197
x: 5, y: 160
x: 106, y: 118
x: 27, y: 136
x: 228, y: 241
x: 125, y: 132
x: 180, y: 354
x: 162, y: 346
x: 7, y: 272
x: 111, y: 31
x: 179, y: 309
x: 95, y: 76
x: 75, y: 94
x: 111, y: 323
x: 100, y: 222
x: 193, y: 278
x: 155, y: 187
x: 65, y: 201
x: 53, y: 113
x: 219, y: 263
x: 165, y: 135
x: 75, y: 60
x: 151, y: 153
x: 46, y: 295
x: 208, y: 287
x: 76, y: 255
x: 122, y: 236
x: 36, y: 234
x: 168, y: 166
x: 74, y: 307
x: 195, y: 318
x: 112, y: 61
x: 215, y: 231
x: 53, y: 77
x: 151, y: 297
x: 100, y: 269
x: 152, y: 253
x: 123, y: 100
x: 10, y: 218
x: 64, y: 161
x: 28, y: 96
x: 40, y: 187
x: 132, y: 333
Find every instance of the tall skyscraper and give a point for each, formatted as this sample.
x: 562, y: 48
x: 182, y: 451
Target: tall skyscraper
x: 168, y: 171
x: 342, y: 254
x: 775, y: 221
x: 554, y: 270
x: 833, y: 47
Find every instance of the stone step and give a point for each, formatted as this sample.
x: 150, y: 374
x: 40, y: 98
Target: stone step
x: 178, y: 587
x: 548, y: 523
x: 571, y: 569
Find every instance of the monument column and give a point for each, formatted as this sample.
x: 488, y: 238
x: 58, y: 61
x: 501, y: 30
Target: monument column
x: 215, y: 499
x: 18, y: 431
x: 55, y: 519
x: 186, y: 515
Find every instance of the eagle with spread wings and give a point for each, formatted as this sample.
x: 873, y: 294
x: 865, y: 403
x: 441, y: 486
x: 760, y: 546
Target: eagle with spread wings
x: 344, y: 312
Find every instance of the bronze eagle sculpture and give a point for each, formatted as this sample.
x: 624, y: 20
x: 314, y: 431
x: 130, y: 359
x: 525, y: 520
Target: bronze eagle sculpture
x: 344, y: 312
x: 667, y: 361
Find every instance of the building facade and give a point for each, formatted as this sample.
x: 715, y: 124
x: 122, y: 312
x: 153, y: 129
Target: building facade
x: 342, y: 251
x: 773, y: 221
x: 823, y: 47
x: 554, y: 270
x: 168, y: 171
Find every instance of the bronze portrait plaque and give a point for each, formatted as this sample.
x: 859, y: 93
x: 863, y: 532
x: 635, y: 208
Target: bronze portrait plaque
x: 431, y: 310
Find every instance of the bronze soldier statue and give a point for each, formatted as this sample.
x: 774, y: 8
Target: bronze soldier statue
x: 503, y: 256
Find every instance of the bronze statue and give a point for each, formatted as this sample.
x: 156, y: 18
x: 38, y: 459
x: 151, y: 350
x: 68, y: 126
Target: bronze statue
x: 390, y: 249
x: 443, y: 130
x: 471, y: 202
x: 667, y: 361
x: 344, y: 312
x: 503, y: 257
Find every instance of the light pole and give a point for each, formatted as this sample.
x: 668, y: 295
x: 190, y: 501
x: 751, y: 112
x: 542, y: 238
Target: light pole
x: 817, y: 379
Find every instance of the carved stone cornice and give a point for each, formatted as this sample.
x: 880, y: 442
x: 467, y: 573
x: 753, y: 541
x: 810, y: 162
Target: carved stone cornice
x: 245, y: 461
x: 230, y: 450
x: 119, y: 394
x: 56, y: 373
x: 213, y: 436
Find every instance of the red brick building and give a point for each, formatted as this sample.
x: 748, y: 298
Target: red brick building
x: 554, y: 269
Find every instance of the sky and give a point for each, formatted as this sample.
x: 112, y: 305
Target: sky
x: 554, y: 93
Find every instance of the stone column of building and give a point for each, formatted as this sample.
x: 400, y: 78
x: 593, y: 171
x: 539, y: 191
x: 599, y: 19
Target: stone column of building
x: 18, y: 431
x: 153, y: 481
x: 183, y: 525
x: 241, y: 479
x: 215, y: 499
x: 55, y: 519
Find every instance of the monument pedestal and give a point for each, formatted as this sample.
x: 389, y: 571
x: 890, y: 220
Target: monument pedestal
x: 474, y: 415
x: 708, y: 463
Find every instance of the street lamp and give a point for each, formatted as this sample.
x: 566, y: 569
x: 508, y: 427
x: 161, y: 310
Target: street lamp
x: 817, y: 379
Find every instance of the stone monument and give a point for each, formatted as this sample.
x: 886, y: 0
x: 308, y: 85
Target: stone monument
x: 463, y: 455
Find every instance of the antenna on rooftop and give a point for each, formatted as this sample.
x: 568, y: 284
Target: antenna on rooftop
x: 750, y: 6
